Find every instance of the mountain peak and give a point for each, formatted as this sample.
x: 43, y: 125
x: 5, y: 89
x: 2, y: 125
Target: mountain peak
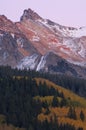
x: 29, y: 14
x: 7, y: 25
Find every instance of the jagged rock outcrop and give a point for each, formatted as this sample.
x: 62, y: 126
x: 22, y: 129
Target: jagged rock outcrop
x: 30, y: 14
x: 67, y: 42
x: 43, y: 45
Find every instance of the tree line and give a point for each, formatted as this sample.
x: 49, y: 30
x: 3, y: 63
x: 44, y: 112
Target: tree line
x: 17, y: 89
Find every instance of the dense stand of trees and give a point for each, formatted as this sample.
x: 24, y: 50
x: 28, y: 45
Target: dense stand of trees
x: 53, y: 125
x: 17, y: 89
x: 77, y: 85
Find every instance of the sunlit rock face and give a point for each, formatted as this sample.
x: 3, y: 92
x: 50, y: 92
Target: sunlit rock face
x: 43, y: 45
x: 45, y: 35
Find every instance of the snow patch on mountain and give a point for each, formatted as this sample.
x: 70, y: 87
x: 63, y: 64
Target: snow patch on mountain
x: 13, y: 35
x: 20, y: 42
x: 41, y: 63
x: 52, y: 44
x: 71, y: 44
x: 63, y: 50
x: 77, y: 32
x: 1, y: 35
x: 70, y: 32
x: 5, y: 55
x: 82, y: 52
x: 65, y: 31
x: 35, y: 39
x: 76, y: 48
x: 28, y: 62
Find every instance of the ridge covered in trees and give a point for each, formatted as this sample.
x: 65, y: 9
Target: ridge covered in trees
x: 18, y: 92
x: 77, y: 85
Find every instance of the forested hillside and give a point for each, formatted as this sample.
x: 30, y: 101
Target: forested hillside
x: 30, y: 102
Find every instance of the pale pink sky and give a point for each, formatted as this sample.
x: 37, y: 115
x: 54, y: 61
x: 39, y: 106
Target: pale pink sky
x: 65, y: 12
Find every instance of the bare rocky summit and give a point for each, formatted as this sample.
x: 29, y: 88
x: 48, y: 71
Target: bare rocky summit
x: 42, y: 45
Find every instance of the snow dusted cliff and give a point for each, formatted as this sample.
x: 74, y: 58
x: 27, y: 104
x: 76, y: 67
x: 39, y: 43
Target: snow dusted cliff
x: 42, y: 44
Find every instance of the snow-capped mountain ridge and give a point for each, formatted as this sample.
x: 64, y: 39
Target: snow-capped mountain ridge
x: 42, y: 45
x: 46, y: 36
x: 64, y: 30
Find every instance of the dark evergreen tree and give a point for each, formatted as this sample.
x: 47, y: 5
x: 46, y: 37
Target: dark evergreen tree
x: 45, y: 104
x: 63, y: 102
x: 72, y: 113
x: 47, y: 111
x: 82, y: 116
x: 55, y: 102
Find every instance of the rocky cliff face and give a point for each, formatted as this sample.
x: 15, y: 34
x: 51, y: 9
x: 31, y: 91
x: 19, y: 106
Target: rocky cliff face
x: 43, y: 45
x: 14, y: 46
x: 30, y: 14
x: 67, y: 42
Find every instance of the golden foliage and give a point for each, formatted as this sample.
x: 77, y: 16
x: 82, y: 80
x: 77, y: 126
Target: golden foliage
x: 48, y: 99
x: 62, y: 117
x: 67, y: 93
